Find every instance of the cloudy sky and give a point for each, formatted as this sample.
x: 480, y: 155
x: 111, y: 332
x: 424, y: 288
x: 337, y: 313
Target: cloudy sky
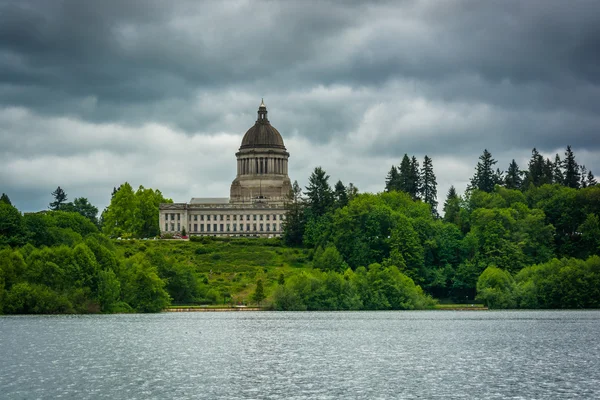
x: 157, y: 93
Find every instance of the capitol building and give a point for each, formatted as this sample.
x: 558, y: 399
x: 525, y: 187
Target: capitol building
x: 256, y: 203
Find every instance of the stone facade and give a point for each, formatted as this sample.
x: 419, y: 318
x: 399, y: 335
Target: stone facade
x: 256, y: 206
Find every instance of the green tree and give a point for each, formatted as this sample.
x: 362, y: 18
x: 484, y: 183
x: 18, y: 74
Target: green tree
x: 109, y: 290
x: 414, y: 182
x: 557, y: 173
x: 485, y: 178
x: 4, y: 199
x: 60, y: 197
x: 318, y: 192
x: 572, y: 176
x: 404, y: 173
x: 452, y: 207
x: 330, y: 259
x: 428, y: 188
x: 340, y: 195
x: 12, y: 230
x: 591, y: 180
x: 82, y: 206
x: 392, y: 180
x: 119, y: 217
x: 259, y: 293
x: 293, y: 226
x: 513, y: 179
x: 496, y: 288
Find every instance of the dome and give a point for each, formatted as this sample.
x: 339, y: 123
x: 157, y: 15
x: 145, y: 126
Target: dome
x: 262, y: 134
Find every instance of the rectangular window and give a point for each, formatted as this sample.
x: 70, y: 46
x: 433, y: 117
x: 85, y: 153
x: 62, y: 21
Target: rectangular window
x: 254, y: 227
x: 227, y: 227
x: 235, y: 217
x: 166, y: 226
x: 261, y: 217
x: 172, y: 226
x: 195, y: 227
x: 241, y: 227
x: 268, y: 227
x: 228, y: 217
x: 274, y: 227
x: 208, y: 227
x: 178, y: 227
x: 172, y: 217
x: 221, y: 217
x: 235, y: 227
x: 254, y: 217
x: 221, y: 227
x: 195, y: 218
x: 247, y: 227
x: 261, y: 227
x: 268, y: 217
x: 201, y: 227
x: 247, y: 217
x: 214, y: 227
x: 202, y: 217
x: 208, y: 217
x: 178, y: 217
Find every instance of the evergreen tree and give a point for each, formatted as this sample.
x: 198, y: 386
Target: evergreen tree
x: 429, y: 185
x: 485, y: 177
x: 340, y: 195
x: 259, y: 293
x: 392, y: 181
x: 4, y: 199
x: 60, y: 197
x: 352, y: 191
x: 414, y: 187
x: 536, y: 168
x: 318, y: 192
x: 82, y: 206
x: 404, y: 172
x: 513, y: 178
x: 293, y: 226
x: 591, y: 180
x: 572, y: 177
x: 583, y: 183
x: 451, y: 206
x: 557, y: 173
x: 548, y: 172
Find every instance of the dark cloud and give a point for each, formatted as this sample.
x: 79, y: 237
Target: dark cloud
x: 94, y: 83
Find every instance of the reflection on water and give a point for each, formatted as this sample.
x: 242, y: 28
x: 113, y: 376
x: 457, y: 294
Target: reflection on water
x: 247, y: 355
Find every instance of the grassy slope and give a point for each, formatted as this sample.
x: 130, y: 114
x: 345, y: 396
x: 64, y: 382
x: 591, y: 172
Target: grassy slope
x: 229, y: 266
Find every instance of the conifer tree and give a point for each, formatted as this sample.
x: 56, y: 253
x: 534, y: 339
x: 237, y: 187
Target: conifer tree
x: 428, y: 190
x: 591, y: 180
x: 583, y: 183
x: 293, y: 226
x: 485, y: 177
x: 557, y: 173
x: 548, y: 172
x: 451, y: 206
x: 404, y: 173
x: 340, y: 195
x: 60, y: 197
x: 535, y: 171
x: 414, y: 187
x: 352, y: 191
x: 318, y: 192
x: 4, y: 199
x: 572, y: 178
x: 392, y: 181
x: 513, y: 178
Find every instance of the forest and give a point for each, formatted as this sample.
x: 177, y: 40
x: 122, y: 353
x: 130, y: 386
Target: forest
x: 516, y: 239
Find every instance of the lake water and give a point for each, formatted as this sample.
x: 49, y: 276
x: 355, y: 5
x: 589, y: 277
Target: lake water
x: 268, y: 355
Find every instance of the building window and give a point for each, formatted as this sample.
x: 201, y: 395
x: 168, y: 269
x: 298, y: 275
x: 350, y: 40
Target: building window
x: 172, y: 217
x: 247, y: 217
x: 201, y: 227
x: 260, y: 217
x: 261, y: 227
x: 195, y: 227
x: 247, y: 227
x: 241, y: 227
x: 208, y: 227
x: 208, y: 217
x: 274, y: 227
x: 221, y: 217
x: 227, y: 227
x: 195, y: 218
x: 268, y: 227
x: 189, y: 228
x: 178, y: 217
x: 202, y: 217
x: 166, y: 226
x: 228, y: 217
x: 221, y: 226
x: 254, y: 226
x: 235, y: 217
x: 254, y: 217
x: 178, y: 226
x: 214, y: 227
x: 268, y: 217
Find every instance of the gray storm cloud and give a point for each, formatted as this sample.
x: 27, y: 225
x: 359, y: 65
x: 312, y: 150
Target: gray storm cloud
x: 96, y: 93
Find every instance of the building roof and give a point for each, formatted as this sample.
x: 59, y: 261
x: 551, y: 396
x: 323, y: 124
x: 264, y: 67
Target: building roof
x: 209, y: 200
x: 262, y: 134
